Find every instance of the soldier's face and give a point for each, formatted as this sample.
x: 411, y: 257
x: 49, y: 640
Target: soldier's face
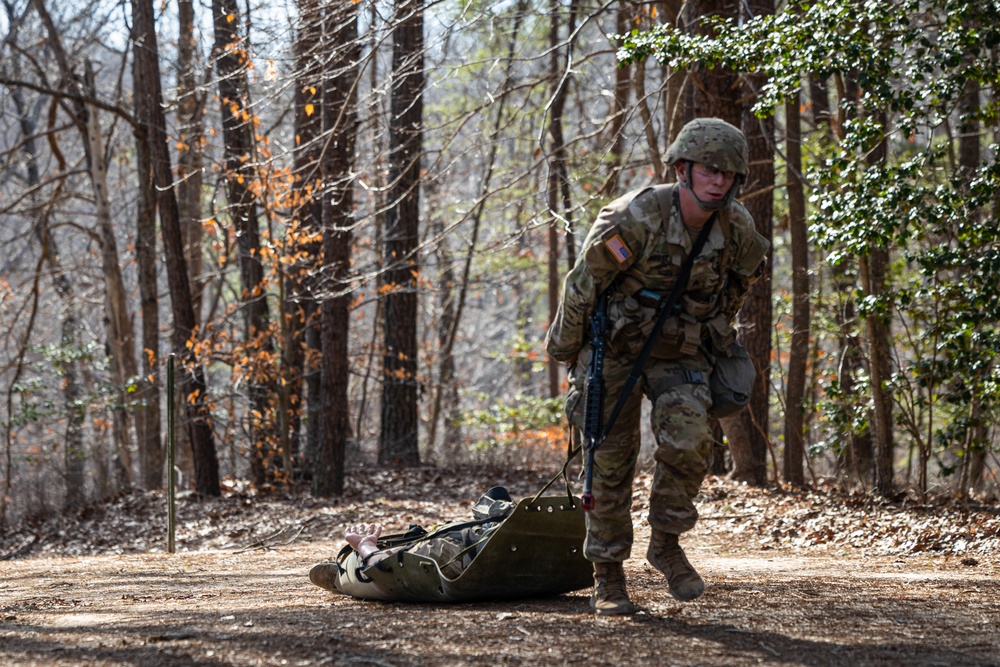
x: 710, y: 184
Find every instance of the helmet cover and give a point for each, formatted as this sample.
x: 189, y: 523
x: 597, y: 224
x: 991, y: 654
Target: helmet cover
x: 711, y: 141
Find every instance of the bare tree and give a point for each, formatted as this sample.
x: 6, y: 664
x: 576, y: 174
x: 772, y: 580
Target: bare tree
x: 117, y: 321
x: 301, y: 330
x: 398, y: 438
x: 560, y: 75
x: 74, y: 452
x: 339, y: 126
x: 619, y: 107
x: 190, y: 149
x: 192, y: 376
x: 231, y: 54
x: 151, y: 452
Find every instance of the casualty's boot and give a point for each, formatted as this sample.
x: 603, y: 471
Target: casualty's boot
x: 325, y: 575
x: 666, y: 555
x: 610, y: 596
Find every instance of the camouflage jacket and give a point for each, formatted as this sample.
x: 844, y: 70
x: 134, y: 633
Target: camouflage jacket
x: 636, y: 249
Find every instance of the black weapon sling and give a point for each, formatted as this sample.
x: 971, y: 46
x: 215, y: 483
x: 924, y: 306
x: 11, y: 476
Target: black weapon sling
x: 664, y: 309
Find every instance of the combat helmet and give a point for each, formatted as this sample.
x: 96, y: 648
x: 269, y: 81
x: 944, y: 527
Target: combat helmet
x: 716, y: 143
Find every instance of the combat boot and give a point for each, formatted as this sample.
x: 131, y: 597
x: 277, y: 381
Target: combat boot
x: 325, y: 575
x: 666, y: 555
x: 610, y: 596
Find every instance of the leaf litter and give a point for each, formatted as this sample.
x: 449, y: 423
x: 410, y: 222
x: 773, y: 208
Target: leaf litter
x: 774, y: 517
x: 795, y: 576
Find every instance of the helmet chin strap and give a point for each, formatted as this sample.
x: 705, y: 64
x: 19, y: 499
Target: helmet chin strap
x: 709, y: 205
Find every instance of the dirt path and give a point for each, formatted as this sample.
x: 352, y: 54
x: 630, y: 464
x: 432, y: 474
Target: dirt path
x: 785, y: 605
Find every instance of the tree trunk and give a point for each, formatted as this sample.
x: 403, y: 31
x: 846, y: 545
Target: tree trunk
x: 190, y: 178
x: 231, y: 60
x: 553, y: 283
x: 874, y: 276
x: 795, y: 403
x: 618, y: 112
x: 398, y: 443
x: 300, y: 303
x: 340, y: 125
x: 859, y: 450
x: 74, y: 453
x: 717, y: 94
x: 445, y: 386
x: 191, y: 375
x: 151, y: 452
x: 974, y: 458
x: 559, y: 153
x: 552, y: 189
x: 756, y: 315
x: 819, y: 101
x: 874, y: 269
x: 662, y: 171
x: 191, y: 151
x: 117, y: 319
x: 673, y: 92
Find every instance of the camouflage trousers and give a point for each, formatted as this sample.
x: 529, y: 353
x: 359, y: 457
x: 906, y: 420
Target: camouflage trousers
x: 679, y: 422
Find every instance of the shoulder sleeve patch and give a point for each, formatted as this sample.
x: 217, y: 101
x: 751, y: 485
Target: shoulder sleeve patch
x: 617, y: 247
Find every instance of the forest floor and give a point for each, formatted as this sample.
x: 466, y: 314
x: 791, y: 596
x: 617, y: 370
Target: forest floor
x: 794, y: 577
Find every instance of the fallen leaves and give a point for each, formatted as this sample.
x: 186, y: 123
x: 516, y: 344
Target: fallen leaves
x: 786, y: 518
x: 766, y: 518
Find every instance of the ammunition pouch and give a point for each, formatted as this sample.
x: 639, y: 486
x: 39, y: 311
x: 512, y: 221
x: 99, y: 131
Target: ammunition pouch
x: 698, y: 310
x: 721, y: 332
x: 632, y: 320
x: 732, y: 380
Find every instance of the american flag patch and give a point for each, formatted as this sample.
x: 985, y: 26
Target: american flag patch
x: 618, y: 249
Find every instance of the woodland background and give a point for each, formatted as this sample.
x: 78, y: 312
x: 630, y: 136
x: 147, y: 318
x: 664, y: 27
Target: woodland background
x: 349, y: 222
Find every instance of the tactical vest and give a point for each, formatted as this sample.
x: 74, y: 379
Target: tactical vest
x: 632, y: 306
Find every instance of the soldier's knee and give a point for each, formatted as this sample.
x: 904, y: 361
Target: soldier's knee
x: 614, y: 462
x: 682, y: 415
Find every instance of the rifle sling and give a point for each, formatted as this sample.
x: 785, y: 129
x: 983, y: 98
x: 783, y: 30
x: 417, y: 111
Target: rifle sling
x: 665, y: 310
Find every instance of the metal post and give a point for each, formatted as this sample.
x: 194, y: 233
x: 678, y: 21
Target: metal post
x: 171, y: 491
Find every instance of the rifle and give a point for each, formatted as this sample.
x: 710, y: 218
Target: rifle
x: 593, y: 424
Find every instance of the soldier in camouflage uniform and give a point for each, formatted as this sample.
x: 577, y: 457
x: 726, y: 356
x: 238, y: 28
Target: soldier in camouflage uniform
x: 636, y: 249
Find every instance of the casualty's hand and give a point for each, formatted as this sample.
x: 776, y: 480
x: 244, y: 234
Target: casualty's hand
x: 363, y: 537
